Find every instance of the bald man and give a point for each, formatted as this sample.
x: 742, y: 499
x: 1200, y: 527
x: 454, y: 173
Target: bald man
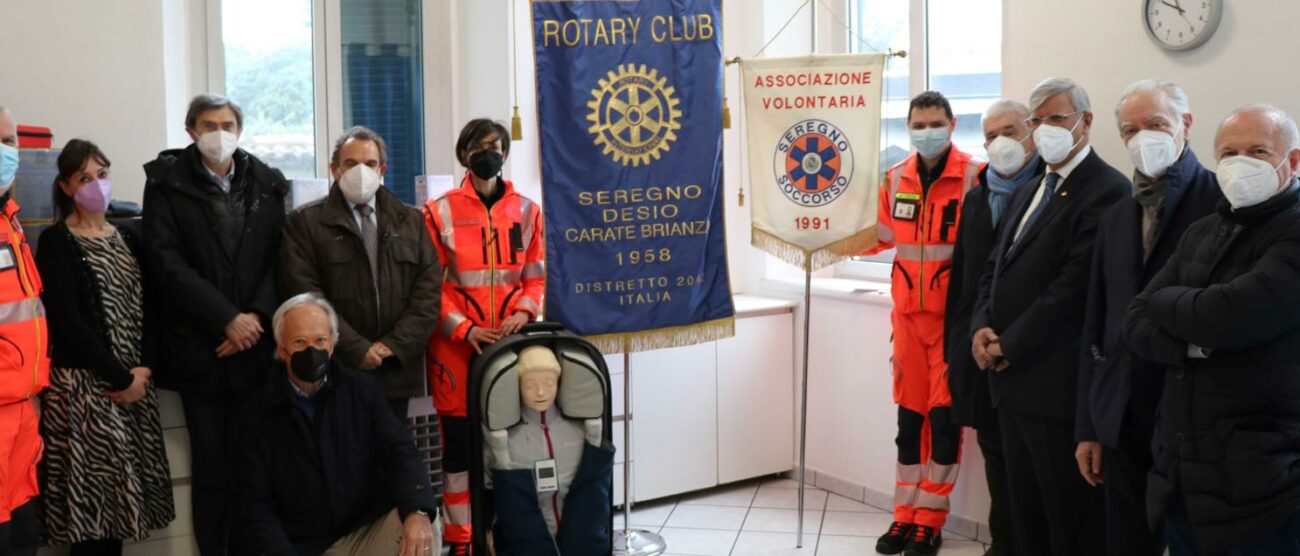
x: 1222, y: 319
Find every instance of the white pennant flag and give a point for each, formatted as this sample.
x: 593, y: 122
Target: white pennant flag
x: 813, y: 127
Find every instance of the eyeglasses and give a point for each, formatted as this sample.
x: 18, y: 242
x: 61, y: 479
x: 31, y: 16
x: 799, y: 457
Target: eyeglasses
x: 1054, y: 119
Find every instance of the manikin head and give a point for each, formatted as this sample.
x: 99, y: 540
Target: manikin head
x: 539, y: 378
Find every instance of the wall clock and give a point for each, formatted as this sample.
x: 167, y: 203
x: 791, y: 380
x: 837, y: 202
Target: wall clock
x: 1181, y: 24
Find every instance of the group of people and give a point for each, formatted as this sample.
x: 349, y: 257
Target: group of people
x: 296, y: 342
x: 1124, y: 348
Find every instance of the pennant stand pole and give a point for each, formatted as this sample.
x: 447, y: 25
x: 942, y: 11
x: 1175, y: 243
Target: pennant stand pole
x: 803, y: 403
x: 807, y: 325
x: 629, y: 541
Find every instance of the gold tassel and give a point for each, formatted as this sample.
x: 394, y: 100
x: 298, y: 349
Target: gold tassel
x: 726, y: 117
x: 516, y: 126
x: 742, y: 196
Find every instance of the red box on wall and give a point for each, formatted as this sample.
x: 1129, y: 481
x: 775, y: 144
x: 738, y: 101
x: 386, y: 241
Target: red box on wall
x: 34, y: 137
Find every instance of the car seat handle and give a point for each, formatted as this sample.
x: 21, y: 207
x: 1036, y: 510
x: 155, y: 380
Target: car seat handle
x: 541, y: 327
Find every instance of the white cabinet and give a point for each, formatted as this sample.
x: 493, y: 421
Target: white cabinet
x: 710, y: 413
x: 674, y: 420
x: 756, y: 398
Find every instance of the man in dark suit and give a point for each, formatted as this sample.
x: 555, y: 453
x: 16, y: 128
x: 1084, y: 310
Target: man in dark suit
x: 1028, y: 319
x: 1013, y: 164
x: 1118, y: 392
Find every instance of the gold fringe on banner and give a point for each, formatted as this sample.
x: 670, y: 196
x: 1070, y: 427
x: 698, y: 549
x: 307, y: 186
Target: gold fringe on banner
x: 820, y: 258
x: 661, y: 338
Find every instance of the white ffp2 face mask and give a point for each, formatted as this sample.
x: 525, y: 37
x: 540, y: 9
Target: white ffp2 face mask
x: 1006, y: 155
x: 1247, y: 181
x: 359, y: 184
x: 1055, y: 142
x: 1152, y: 152
x: 218, y: 146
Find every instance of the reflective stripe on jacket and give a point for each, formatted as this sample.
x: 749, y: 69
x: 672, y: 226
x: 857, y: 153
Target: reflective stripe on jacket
x: 922, y: 226
x: 493, y: 264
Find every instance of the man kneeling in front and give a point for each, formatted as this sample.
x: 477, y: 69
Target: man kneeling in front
x: 324, y: 466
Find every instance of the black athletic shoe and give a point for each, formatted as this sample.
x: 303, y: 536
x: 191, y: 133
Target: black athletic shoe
x: 925, y: 541
x: 895, y: 540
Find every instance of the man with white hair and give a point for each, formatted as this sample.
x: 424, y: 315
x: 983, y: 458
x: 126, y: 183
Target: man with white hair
x: 1028, y: 318
x: 1222, y: 319
x: 1013, y: 163
x: 1118, y: 393
x: 324, y: 466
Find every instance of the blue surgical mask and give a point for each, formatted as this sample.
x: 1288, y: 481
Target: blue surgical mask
x: 8, y: 167
x: 930, y: 142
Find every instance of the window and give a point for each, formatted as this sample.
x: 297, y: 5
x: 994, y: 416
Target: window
x: 964, y: 56
x: 272, y: 53
x: 959, y: 55
x: 382, y: 83
x: 880, y: 25
x: 268, y: 68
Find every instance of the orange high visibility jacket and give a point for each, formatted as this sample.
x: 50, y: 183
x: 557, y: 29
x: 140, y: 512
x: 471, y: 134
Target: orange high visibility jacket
x: 493, y: 264
x: 25, y: 349
x: 922, y: 225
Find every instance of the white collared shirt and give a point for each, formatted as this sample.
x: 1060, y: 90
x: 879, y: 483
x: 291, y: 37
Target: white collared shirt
x: 1064, y: 171
x: 224, y: 182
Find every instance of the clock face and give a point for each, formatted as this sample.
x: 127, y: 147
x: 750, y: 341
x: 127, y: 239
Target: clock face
x: 1181, y: 24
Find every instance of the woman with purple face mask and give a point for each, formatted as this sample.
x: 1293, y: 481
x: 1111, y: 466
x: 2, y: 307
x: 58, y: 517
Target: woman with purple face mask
x: 105, y: 476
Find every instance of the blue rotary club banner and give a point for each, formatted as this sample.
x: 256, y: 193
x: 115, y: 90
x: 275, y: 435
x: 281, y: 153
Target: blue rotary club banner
x: 629, y: 100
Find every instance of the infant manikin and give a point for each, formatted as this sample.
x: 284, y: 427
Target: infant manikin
x: 543, y: 441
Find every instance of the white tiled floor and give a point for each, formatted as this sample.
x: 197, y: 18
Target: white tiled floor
x: 759, y: 518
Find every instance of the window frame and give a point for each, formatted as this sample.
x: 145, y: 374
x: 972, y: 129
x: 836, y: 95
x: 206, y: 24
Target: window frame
x: 327, y: 75
x: 879, y: 267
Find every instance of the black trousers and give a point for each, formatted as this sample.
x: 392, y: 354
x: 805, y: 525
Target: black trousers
x: 100, y: 547
x: 401, y: 408
x: 21, y: 535
x: 1053, y: 510
x: 1124, y: 470
x: 989, y: 438
x: 211, y: 420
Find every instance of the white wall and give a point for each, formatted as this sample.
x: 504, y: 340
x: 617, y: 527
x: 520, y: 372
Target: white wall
x: 99, y: 74
x: 1103, y: 46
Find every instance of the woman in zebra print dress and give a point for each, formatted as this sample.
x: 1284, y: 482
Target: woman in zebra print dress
x: 104, y: 477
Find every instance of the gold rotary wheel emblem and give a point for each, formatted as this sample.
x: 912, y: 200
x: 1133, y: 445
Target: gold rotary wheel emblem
x: 634, y: 115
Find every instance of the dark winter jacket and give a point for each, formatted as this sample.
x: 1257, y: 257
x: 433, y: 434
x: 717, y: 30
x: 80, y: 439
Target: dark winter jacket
x: 1228, y: 433
x: 211, y: 256
x: 1033, y: 296
x: 969, y: 385
x: 1113, y: 385
x: 302, y: 484
x: 74, y: 310
x: 323, y: 252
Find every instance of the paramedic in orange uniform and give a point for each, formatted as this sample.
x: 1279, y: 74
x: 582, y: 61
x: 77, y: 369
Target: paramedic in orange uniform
x: 920, y: 204
x: 489, y: 239
x: 24, y: 361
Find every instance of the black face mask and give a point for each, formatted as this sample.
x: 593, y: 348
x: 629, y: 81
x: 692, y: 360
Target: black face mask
x: 486, y: 164
x: 310, y: 365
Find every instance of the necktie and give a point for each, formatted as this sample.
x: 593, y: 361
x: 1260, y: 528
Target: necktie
x: 370, y: 237
x: 1048, y: 192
